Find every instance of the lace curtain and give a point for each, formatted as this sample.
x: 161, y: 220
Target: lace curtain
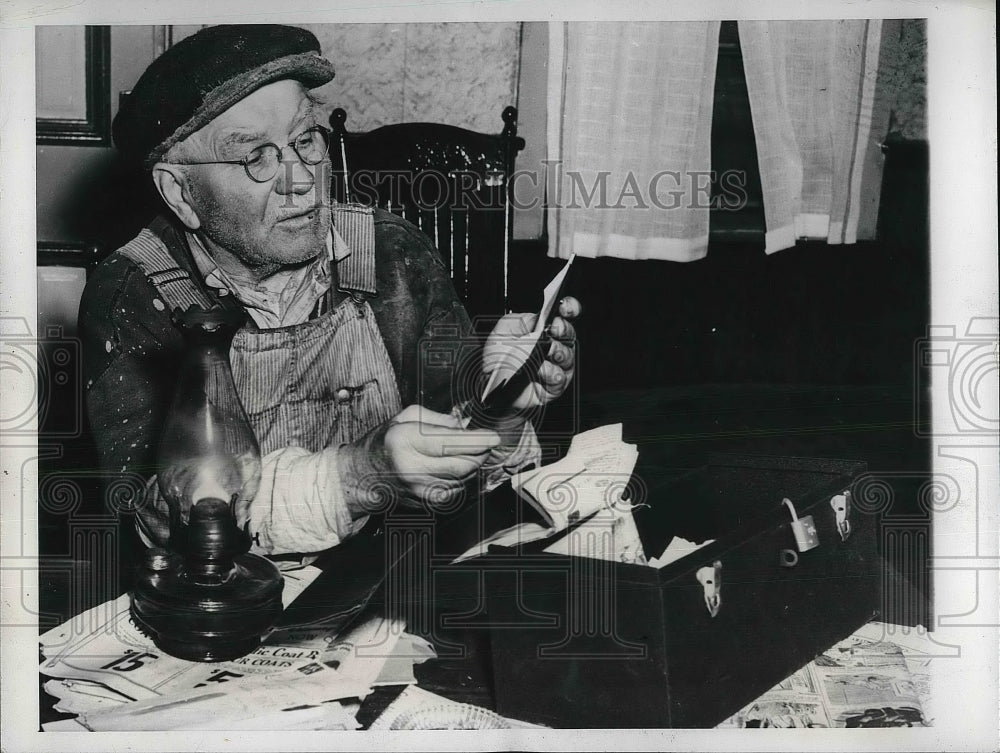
x: 812, y: 97
x: 630, y: 114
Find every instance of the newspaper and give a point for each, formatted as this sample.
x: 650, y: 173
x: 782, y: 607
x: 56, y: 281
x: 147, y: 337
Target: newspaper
x: 348, y: 668
x: 113, y: 675
x: 112, y: 652
x: 241, y: 701
x: 862, y: 681
x: 919, y: 649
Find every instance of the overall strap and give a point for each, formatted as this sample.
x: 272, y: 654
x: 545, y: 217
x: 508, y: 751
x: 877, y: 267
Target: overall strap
x: 172, y: 282
x: 356, y: 225
x: 356, y: 272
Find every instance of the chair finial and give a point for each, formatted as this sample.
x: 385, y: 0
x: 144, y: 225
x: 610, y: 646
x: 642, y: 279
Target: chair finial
x: 509, y: 116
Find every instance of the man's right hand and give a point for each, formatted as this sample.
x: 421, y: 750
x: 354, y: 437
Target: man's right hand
x: 426, y: 458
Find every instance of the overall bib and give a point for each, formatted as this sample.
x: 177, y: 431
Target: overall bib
x: 318, y: 384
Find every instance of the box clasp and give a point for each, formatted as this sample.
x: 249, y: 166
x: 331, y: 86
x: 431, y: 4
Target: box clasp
x: 841, y: 504
x: 710, y: 578
x: 804, y: 528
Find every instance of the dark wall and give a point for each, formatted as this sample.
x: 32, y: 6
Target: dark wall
x: 812, y: 314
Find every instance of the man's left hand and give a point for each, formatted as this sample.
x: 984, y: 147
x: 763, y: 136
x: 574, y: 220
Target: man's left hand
x: 556, y: 370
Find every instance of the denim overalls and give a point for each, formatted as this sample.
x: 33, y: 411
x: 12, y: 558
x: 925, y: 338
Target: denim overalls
x: 318, y: 384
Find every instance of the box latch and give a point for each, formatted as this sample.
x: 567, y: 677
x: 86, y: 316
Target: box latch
x: 804, y: 528
x: 841, y: 504
x: 710, y: 578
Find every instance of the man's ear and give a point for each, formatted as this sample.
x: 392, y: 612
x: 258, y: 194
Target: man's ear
x: 171, y: 182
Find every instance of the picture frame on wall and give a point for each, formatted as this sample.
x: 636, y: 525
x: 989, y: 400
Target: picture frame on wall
x: 73, y: 90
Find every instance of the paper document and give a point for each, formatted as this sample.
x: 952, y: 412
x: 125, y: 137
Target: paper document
x: 677, y: 548
x: 606, y: 535
x: 551, y: 490
x: 514, y: 352
x: 592, y: 476
x: 586, y: 488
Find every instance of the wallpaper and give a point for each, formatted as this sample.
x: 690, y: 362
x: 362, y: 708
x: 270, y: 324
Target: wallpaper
x: 462, y: 74
x: 903, y: 73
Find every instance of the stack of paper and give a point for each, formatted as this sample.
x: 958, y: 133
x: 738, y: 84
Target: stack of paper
x: 593, y: 476
x: 115, y: 678
x: 585, y: 489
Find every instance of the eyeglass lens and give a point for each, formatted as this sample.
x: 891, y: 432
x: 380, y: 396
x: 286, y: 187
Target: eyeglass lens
x: 311, y: 146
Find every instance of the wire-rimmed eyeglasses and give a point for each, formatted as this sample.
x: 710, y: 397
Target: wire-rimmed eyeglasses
x: 261, y: 163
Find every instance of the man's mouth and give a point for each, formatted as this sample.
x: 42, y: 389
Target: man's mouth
x: 300, y: 218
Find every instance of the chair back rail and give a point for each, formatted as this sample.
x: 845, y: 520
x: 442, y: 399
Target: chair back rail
x: 450, y: 182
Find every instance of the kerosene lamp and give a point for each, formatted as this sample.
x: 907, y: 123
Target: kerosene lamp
x: 206, y: 597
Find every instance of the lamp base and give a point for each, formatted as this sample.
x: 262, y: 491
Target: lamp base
x: 197, y: 648
x: 196, y: 620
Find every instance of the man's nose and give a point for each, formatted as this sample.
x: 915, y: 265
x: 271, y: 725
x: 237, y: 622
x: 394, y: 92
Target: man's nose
x: 294, y: 176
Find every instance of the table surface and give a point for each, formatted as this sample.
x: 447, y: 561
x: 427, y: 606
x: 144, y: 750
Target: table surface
x: 467, y: 679
x: 463, y: 675
x: 697, y: 426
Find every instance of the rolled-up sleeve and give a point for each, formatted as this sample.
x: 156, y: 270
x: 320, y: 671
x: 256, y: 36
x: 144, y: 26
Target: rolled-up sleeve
x: 300, y: 506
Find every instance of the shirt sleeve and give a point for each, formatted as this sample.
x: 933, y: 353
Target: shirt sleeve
x: 303, y: 503
x: 300, y: 506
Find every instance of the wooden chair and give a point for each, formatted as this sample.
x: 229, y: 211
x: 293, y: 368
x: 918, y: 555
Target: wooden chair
x: 450, y: 182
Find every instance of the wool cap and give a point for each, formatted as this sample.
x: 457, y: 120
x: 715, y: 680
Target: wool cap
x: 205, y: 74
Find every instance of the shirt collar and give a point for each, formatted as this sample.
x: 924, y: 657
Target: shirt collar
x: 282, y: 299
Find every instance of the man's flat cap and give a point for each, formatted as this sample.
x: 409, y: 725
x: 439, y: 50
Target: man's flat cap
x: 205, y: 74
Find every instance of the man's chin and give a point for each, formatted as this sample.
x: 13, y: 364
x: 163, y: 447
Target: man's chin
x: 295, y: 257
x: 298, y: 241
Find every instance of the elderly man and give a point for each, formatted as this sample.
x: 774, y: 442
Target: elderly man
x: 338, y: 298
